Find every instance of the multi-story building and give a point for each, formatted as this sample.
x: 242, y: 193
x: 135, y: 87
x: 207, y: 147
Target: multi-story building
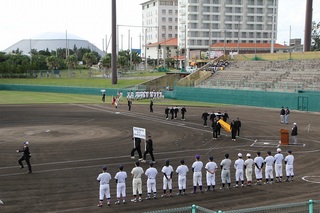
x: 238, y: 21
x: 159, y: 22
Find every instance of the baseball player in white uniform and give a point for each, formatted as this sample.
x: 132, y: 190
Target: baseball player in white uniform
x: 167, y: 171
x: 239, y: 166
x: 197, y: 174
x: 225, y: 171
x: 136, y: 173
x: 121, y: 177
x: 182, y: 171
x: 211, y: 168
x: 269, y: 160
x: 258, y: 162
x: 288, y: 160
x: 151, y: 173
x: 248, y: 165
x: 104, y: 190
x: 278, y: 159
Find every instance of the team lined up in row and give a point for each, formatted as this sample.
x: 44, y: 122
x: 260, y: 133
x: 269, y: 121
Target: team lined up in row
x: 242, y: 167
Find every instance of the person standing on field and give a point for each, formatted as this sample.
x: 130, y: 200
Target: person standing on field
x: 121, y: 177
x: 167, y: 171
x: 269, y: 160
x: 211, y: 168
x: 278, y: 159
x: 136, y: 173
x: 289, y: 159
x: 183, y: 112
x: 149, y: 150
x: 239, y: 166
x: 151, y: 173
x: 151, y: 105
x: 225, y: 171
x: 137, y: 147
x: 282, y: 115
x: 258, y: 161
x: 294, y: 133
x: 104, y: 190
x: 197, y: 174
x: 248, y: 165
x: 182, y: 171
x: 286, y: 115
x: 25, y: 157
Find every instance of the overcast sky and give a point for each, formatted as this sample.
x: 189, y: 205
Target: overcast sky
x: 91, y: 20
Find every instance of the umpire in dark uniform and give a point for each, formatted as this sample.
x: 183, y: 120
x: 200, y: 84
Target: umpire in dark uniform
x: 26, y: 156
x: 214, y: 129
x: 237, y: 125
x: 166, y: 111
x: 137, y: 147
x: 183, y: 111
x: 149, y: 150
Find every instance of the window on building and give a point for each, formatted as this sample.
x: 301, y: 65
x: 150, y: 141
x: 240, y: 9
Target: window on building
x: 163, y: 11
x: 251, y: 35
x: 258, y: 26
x: 229, y: 2
x: 193, y: 17
x: 259, y: 10
x: 228, y: 18
x: 206, y: 9
x: 163, y: 36
x: 244, y: 35
x: 194, y: 34
x: 199, y: 42
x: 154, y: 4
x: 259, y: 19
x: 170, y: 27
x: 216, y: 9
x: 206, y: 17
x: 265, y: 35
x: 215, y: 26
x: 170, y: 35
x: 260, y: 2
x: 170, y: 19
x: 170, y: 12
x: 258, y: 35
x: 229, y: 9
x: 215, y: 18
x: 250, y: 2
x: 163, y: 27
x: 205, y: 34
x: 193, y: 9
x: 163, y: 19
x: 250, y: 18
x: 238, y: 2
x: 238, y: 10
x: 250, y: 10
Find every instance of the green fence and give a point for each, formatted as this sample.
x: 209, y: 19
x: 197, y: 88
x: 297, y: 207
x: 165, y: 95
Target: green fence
x: 310, y: 206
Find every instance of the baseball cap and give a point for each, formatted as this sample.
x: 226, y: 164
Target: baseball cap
x: 295, y: 124
x: 278, y: 150
x: 239, y: 155
x: 248, y: 155
x: 104, y: 168
x: 26, y: 143
x: 151, y: 163
x: 182, y: 161
x: 197, y: 156
x: 121, y: 167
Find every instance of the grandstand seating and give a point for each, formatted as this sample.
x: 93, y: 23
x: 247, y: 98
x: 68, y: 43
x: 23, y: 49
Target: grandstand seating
x: 289, y: 76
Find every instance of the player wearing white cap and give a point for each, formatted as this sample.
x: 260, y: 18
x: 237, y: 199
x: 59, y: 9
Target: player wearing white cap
x: 182, y: 171
x: 278, y: 159
x: 248, y: 164
x: 258, y: 162
x: 104, y: 190
x: 121, y: 177
x: 25, y: 157
x: 136, y: 173
x: 211, y: 168
x: 269, y: 160
x: 167, y: 171
x: 197, y: 174
x: 289, y: 159
x: 151, y: 173
x: 239, y: 165
x: 225, y: 171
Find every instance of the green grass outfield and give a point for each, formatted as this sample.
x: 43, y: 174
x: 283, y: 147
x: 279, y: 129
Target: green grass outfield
x: 20, y: 97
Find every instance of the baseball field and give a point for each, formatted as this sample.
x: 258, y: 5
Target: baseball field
x: 70, y: 142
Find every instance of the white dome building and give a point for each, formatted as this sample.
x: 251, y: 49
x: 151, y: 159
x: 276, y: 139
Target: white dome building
x: 52, y: 41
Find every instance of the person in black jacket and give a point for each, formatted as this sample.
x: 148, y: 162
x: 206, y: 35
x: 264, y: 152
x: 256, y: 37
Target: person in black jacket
x: 294, y: 133
x: 233, y: 130
x: 172, y: 113
x: 237, y: 124
x: 183, y: 111
x: 149, y: 150
x: 151, y: 105
x: 26, y: 156
x: 166, y: 111
x: 215, y: 127
x: 204, y: 117
x: 176, y: 111
x: 137, y: 147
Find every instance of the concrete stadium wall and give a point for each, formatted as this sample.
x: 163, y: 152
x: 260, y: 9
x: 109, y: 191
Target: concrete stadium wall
x: 278, y: 56
x: 302, y: 100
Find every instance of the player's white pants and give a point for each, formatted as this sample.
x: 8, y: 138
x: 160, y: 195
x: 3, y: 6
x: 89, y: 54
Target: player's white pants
x: 278, y: 168
x: 258, y: 173
x: 282, y: 118
x: 151, y: 185
x: 249, y: 174
x: 197, y: 178
x: 211, y: 179
x: 182, y: 182
x: 136, y: 186
x: 286, y: 119
x: 121, y: 190
x: 104, y: 191
x: 166, y: 183
x: 225, y: 176
x: 289, y: 170
x: 268, y: 172
x: 239, y: 175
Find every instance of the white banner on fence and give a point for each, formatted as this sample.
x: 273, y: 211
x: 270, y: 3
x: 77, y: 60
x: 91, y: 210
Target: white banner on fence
x: 139, y: 132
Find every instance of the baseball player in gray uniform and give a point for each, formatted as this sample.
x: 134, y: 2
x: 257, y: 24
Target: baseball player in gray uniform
x: 278, y: 159
x: 258, y: 162
x: 288, y: 160
x: 136, y: 173
x: 211, y: 168
x: 104, y: 190
x: 151, y: 174
x: 269, y: 160
x: 239, y: 166
x: 182, y: 171
x: 167, y: 171
x: 225, y: 171
x: 121, y: 177
x: 197, y: 174
x: 248, y: 166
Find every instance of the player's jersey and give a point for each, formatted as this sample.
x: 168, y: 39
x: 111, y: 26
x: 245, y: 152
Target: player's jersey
x: 167, y: 170
x: 182, y: 170
x: 289, y: 159
x: 121, y: 176
x: 278, y: 158
x: 211, y: 166
x: 137, y: 172
x: 249, y: 163
x: 197, y: 166
x: 226, y: 164
x: 151, y: 173
x: 238, y: 164
x: 104, y: 178
x: 259, y: 161
x: 269, y: 160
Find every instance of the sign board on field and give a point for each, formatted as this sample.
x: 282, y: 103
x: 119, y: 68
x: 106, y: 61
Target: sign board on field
x: 139, y: 132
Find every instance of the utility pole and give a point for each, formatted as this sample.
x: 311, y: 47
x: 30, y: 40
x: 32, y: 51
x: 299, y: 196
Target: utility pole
x: 272, y: 31
x: 114, y: 43
x: 308, y: 26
